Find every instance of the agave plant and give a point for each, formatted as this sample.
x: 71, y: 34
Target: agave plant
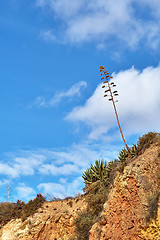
x: 123, y: 155
x: 134, y: 150
x: 95, y: 172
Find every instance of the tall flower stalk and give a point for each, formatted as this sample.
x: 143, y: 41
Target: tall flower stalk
x: 111, y: 93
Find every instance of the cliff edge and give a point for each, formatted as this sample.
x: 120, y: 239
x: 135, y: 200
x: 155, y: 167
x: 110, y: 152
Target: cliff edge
x: 132, y: 211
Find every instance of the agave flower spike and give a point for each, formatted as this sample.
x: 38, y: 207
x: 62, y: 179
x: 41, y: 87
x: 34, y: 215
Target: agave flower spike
x: 107, y: 90
x: 112, y: 95
x: 102, y: 78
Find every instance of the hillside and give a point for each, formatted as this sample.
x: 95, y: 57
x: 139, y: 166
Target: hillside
x: 131, y: 210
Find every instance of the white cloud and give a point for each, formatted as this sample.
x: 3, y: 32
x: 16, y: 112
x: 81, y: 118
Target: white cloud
x: 69, y: 161
x: 54, y: 189
x: 138, y: 106
x: 75, y: 90
x: 63, y: 8
x: 25, y: 192
x: 21, y: 166
x: 62, y: 189
x: 5, y: 169
x: 77, y: 157
x: 66, y: 169
x: 101, y: 20
x: 27, y: 165
x: 65, y: 165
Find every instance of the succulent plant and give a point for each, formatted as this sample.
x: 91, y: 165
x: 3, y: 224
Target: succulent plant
x: 123, y: 155
x: 95, y: 172
x: 134, y: 150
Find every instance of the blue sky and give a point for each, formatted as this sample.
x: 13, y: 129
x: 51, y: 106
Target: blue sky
x: 54, y: 120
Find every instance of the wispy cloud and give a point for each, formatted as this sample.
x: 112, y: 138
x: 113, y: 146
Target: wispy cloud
x: 25, y: 192
x: 102, y: 20
x: 75, y: 90
x: 60, y: 162
x: 23, y: 165
x: 10, y: 171
x: 48, y: 36
x: 4, y: 182
x: 66, y: 169
x: 63, y: 165
x: 138, y: 105
x: 62, y: 189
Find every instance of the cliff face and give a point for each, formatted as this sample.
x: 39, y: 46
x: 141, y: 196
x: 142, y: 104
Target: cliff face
x: 54, y: 220
x: 132, y: 211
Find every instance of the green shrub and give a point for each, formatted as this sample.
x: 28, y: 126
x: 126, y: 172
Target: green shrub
x: 19, y: 209
x: 32, y: 206
x: 143, y: 143
x: 83, y: 223
x: 146, y: 140
x: 96, y: 197
x: 152, y: 206
x: 10, y: 211
x: 98, y: 179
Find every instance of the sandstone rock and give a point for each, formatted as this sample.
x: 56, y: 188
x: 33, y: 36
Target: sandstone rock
x: 55, y: 220
x: 127, y: 207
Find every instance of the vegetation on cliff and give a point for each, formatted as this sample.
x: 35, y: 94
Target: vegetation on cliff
x: 19, y: 209
x: 98, y: 181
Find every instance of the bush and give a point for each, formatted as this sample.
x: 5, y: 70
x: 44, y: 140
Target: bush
x: 10, y: 211
x: 146, y: 140
x: 153, y: 206
x: 96, y: 197
x: 83, y: 223
x: 97, y: 192
x: 32, y: 206
x: 19, y: 209
x: 143, y: 143
x: 99, y: 179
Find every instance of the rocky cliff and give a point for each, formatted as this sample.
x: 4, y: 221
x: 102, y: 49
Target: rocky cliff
x: 54, y: 220
x: 132, y: 211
